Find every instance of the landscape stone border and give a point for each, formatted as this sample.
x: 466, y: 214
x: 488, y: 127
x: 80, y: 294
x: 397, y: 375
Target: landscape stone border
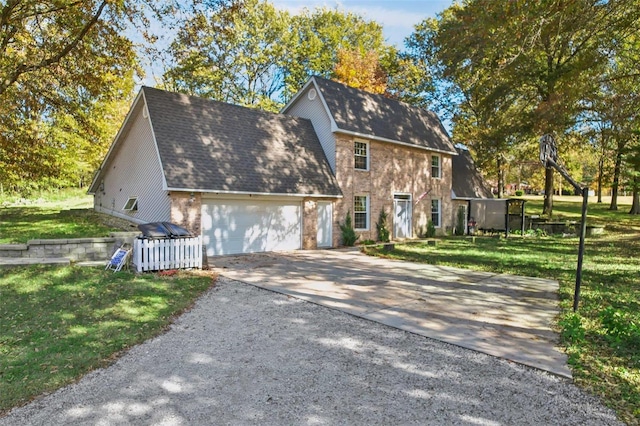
x: 74, y: 249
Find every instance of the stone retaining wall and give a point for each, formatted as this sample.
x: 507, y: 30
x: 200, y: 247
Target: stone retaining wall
x: 75, y: 249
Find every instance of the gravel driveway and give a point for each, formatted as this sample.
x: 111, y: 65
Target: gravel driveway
x: 244, y: 355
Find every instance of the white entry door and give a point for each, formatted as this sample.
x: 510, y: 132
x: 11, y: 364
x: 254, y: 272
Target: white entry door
x: 249, y: 226
x: 325, y: 224
x: 402, y: 215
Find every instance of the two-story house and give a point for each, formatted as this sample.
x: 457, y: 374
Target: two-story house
x: 386, y: 155
x: 252, y: 181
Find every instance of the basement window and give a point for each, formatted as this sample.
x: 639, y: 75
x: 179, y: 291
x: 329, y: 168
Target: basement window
x: 131, y: 205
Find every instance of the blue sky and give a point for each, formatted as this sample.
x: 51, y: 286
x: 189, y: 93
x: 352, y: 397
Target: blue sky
x: 397, y: 17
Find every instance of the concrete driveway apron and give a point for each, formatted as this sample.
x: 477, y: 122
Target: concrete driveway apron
x: 502, y: 315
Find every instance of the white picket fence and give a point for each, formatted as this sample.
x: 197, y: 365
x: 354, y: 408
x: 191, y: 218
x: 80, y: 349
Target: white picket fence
x: 161, y: 254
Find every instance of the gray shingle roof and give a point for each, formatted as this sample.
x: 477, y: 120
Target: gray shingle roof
x: 206, y: 145
x: 467, y: 180
x: 361, y: 112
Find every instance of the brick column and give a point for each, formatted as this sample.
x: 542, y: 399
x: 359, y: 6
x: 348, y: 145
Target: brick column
x: 186, y: 209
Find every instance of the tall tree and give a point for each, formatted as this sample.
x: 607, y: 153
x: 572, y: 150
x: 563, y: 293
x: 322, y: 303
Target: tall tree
x: 232, y: 54
x: 486, y: 114
x: 546, y: 56
x: 58, y: 58
x: 632, y: 158
x: 360, y: 70
x: 619, y: 103
x: 319, y: 35
x: 247, y: 52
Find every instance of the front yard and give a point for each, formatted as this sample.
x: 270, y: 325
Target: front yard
x: 56, y: 324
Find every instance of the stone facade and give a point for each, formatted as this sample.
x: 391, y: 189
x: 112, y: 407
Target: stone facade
x: 186, y: 210
x: 310, y: 224
x: 393, y: 169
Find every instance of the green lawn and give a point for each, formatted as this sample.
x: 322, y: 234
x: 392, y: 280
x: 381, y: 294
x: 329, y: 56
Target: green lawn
x: 603, y: 339
x: 66, y: 215
x: 58, y: 323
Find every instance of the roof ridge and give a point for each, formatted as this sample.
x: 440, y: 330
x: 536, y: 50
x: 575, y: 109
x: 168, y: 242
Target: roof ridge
x: 379, y: 95
x: 222, y: 103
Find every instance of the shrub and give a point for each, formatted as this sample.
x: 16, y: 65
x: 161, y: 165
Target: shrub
x: 367, y: 242
x: 460, y: 222
x: 349, y: 236
x: 381, y: 227
x: 431, y: 230
x: 572, y: 328
x: 621, y: 330
x: 519, y: 192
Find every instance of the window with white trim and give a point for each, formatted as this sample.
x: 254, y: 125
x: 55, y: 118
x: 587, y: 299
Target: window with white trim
x: 435, y: 167
x: 435, y: 213
x: 361, y: 155
x: 361, y: 212
x: 131, y: 205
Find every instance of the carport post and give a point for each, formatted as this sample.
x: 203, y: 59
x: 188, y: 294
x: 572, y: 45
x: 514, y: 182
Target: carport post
x: 506, y: 219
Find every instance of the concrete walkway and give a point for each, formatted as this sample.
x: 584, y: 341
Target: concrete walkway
x: 501, y: 315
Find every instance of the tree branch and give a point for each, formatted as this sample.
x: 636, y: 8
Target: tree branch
x: 24, y: 68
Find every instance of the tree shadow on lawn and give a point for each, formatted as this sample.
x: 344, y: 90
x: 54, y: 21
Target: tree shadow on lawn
x: 21, y: 224
x: 56, y: 324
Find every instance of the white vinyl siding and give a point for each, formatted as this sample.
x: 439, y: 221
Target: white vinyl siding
x: 135, y: 169
x: 314, y: 111
x: 232, y: 226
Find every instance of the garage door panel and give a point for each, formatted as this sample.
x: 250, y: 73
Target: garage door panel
x: 232, y: 227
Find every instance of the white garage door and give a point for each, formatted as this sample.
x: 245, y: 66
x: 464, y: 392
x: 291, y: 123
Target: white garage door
x: 234, y: 226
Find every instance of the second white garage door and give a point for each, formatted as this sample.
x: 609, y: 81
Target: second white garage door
x: 250, y: 226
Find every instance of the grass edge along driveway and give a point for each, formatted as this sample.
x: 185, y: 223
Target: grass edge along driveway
x: 59, y: 323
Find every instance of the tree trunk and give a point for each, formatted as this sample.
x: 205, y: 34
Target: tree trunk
x: 616, y: 181
x: 635, y: 206
x: 547, y: 209
x: 600, y: 172
x: 500, y: 176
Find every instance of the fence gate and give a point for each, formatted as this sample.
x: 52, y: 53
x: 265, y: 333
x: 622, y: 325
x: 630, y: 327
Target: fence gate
x: 167, y: 253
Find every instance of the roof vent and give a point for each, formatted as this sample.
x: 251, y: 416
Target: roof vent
x: 312, y: 94
x: 145, y: 113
